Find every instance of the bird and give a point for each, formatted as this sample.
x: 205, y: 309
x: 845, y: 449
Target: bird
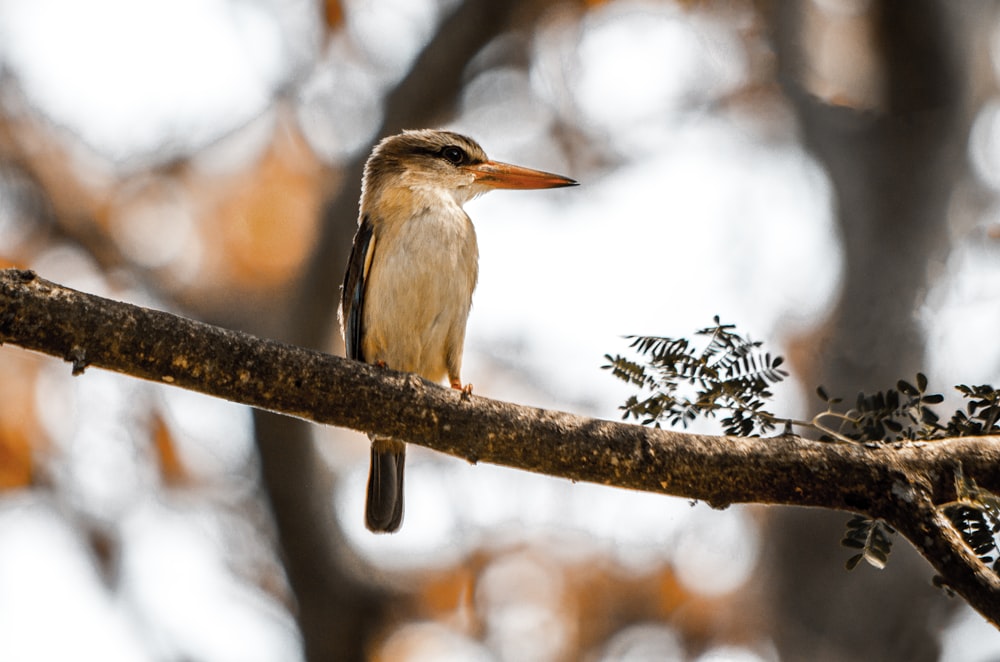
x: 412, y: 271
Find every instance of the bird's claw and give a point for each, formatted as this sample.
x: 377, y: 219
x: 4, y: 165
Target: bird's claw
x: 466, y: 390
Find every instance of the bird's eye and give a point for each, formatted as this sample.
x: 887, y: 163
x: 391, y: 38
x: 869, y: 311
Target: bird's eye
x: 453, y: 155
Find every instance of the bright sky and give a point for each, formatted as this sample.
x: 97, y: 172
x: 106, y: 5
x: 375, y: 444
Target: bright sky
x: 138, y: 79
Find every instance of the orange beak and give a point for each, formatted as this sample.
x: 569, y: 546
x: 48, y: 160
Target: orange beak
x: 504, y: 175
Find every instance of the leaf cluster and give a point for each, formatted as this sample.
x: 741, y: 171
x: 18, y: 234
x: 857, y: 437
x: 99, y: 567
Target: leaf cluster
x: 893, y: 415
x: 680, y: 381
x: 905, y: 414
x: 871, y: 537
x: 981, y: 415
x: 723, y: 373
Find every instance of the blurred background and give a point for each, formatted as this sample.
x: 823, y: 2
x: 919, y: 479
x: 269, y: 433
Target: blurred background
x: 823, y: 173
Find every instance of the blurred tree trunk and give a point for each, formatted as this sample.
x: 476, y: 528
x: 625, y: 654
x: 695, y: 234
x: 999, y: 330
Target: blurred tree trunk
x: 339, y: 612
x: 893, y: 170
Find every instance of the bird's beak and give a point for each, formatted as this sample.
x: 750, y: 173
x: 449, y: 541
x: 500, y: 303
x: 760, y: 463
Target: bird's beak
x: 495, y: 174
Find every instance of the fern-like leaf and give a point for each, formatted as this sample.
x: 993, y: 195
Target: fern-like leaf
x: 871, y: 537
x: 727, y: 373
x: 975, y: 514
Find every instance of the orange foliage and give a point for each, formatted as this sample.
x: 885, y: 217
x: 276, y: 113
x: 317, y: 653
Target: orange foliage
x: 19, y: 429
x: 597, y: 600
x: 448, y: 593
x: 333, y: 14
x: 266, y: 223
x: 172, y: 469
x: 252, y: 228
x: 16, y: 467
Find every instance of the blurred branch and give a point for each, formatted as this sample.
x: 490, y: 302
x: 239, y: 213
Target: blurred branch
x: 900, y: 483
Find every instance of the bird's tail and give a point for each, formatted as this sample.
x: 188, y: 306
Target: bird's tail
x: 384, y: 508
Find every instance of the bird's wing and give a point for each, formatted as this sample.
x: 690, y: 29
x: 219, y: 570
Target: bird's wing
x: 353, y: 295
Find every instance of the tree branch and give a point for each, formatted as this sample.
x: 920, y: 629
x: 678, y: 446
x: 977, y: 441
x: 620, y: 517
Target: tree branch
x: 930, y: 531
x: 883, y: 481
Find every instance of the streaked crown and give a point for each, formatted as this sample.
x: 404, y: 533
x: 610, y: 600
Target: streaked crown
x: 423, y: 158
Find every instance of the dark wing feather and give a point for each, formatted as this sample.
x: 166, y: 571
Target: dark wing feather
x: 353, y: 295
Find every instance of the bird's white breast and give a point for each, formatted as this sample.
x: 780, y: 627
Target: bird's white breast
x: 419, y: 287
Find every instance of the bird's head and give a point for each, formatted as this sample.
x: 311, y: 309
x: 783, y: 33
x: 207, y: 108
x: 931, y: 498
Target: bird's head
x: 447, y: 163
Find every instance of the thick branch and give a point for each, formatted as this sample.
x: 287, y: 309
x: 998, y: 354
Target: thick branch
x: 958, y: 568
x: 88, y: 330
x: 92, y: 331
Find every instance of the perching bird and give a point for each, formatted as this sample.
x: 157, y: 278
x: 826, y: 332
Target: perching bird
x: 413, y: 267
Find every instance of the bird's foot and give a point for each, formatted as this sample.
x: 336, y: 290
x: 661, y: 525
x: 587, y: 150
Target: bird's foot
x: 466, y: 390
x: 379, y: 364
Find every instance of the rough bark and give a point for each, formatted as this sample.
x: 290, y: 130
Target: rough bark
x: 904, y: 484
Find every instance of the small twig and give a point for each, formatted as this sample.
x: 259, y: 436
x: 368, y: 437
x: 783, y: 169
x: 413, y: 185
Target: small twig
x: 817, y: 422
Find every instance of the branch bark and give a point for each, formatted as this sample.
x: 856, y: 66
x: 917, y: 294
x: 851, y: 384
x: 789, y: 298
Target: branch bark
x: 899, y: 483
